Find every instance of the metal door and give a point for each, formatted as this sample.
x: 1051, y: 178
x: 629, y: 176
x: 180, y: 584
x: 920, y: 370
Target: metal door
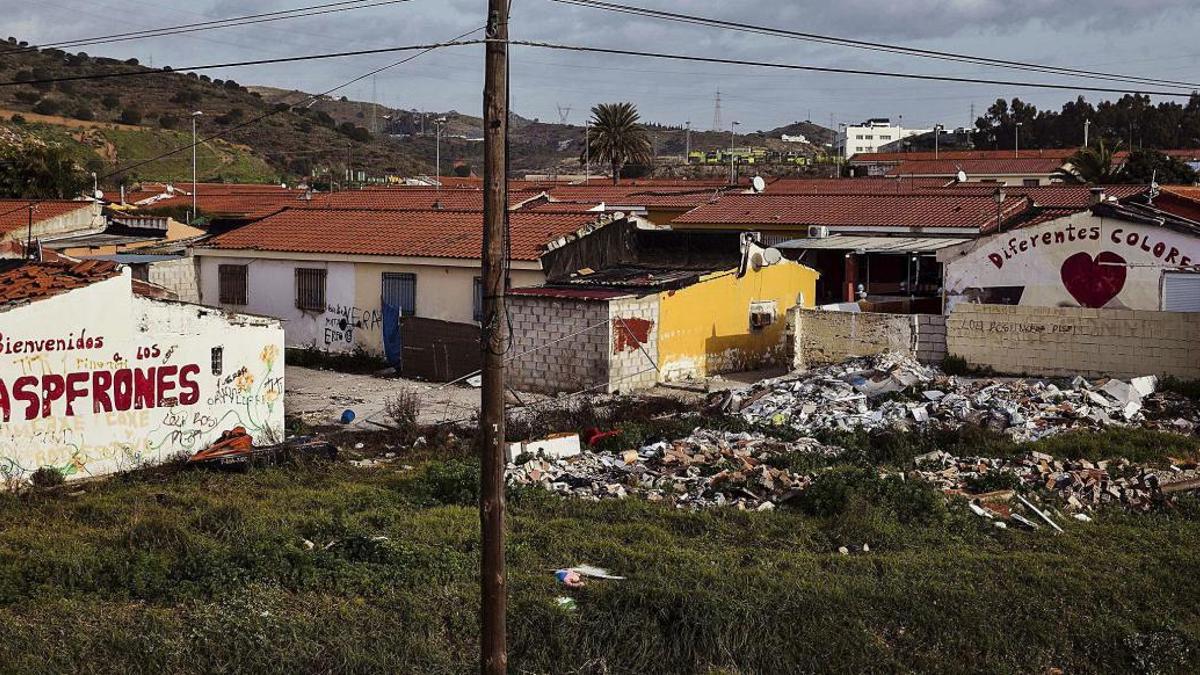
x: 1181, y: 292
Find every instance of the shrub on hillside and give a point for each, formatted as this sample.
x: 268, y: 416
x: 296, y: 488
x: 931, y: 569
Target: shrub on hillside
x: 47, y: 106
x: 130, y: 116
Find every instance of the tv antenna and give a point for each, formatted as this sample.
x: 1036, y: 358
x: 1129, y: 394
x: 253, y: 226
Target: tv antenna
x: 564, y: 113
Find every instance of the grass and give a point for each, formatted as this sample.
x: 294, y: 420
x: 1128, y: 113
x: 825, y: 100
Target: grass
x: 216, y: 160
x: 207, y: 572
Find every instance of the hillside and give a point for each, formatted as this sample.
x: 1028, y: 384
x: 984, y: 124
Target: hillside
x: 118, y: 122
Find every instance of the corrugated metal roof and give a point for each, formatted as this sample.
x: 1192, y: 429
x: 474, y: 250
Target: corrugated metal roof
x: 898, y: 245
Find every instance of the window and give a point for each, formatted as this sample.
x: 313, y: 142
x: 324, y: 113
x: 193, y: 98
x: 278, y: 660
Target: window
x: 477, y: 300
x: 858, y: 137
x: 231, y: 282
x: 870, y: 137
x: 885, y: 138
x: 400, y: 291
x: 218, y: 360
x: 1031, y: 182
x: 310, y: 289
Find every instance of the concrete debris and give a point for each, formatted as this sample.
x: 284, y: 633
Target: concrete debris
x: 1081, y: 485
x: 895, y: 391
x: 708, y: 468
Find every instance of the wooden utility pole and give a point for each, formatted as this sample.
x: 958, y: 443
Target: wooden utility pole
x: 494, y: 340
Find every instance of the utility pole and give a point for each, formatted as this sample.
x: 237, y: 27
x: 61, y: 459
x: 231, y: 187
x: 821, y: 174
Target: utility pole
x: 195, y: 115
x: 1086, y: 124
x: 1017, y: 139
x: 732, y: 175
x: 587, y: 151
x: 687, y: 155
x: 438, y: 124
x: 494, y: 340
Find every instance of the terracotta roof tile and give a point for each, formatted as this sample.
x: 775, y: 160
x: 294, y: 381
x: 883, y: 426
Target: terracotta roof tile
x: 978, y: 167
x: 24, y: 281
x: 1051, y: 153
x: 649, y: 197
x: 856, y: 210
x: 424, y: 233
x: 14, y: 213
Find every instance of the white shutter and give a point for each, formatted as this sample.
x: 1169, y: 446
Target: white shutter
x: 1181, y: 292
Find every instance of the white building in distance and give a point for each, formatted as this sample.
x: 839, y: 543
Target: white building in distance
x: 871, y: 135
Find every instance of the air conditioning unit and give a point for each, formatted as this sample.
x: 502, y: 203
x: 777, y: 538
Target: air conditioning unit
x: 817, y: 231
x: 762, y: 314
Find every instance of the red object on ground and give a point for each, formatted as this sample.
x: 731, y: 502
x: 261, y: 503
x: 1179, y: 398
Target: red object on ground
x: 593, y: 436
x: 235, y: 441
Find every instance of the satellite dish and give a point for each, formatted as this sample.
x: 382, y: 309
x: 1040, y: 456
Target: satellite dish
x: 758, y: 184
x: 98, y: 194
x: 772, y: 256
x: 961, y: 176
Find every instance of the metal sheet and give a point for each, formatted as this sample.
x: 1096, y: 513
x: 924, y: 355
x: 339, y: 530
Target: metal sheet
x: 896, y: 245
x: 1181, y: 292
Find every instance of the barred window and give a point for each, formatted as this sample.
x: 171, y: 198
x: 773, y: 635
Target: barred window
x: 310, y: 289
x: 231, y: 280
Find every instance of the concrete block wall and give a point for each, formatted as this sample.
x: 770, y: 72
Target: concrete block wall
x: 929, y: 330
x: 1067, y: 341
x: 633, y: 344
x: 181, y: 276
x: 568, y: 343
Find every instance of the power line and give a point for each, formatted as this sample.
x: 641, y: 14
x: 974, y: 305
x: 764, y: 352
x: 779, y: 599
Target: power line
x: 840, y: 71
x: 237, y: 64
x: 617, y: 52
x: 276, y: 110
x: 281, y: 15
x: 872, y: 46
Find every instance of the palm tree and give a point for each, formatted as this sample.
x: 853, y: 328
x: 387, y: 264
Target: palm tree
x: 1094, y: 165
x: 616, y: 137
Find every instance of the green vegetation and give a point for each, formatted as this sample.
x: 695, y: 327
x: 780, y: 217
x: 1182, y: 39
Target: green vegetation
x: 215, y: 160
x: 209, y: 572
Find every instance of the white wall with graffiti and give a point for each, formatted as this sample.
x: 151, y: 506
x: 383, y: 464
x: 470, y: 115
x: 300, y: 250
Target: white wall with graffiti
x: 1082, y: 260
x: 97, y: 380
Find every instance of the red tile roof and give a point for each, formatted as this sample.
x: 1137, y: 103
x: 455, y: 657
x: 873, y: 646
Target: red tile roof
x: 978, y: 167
x: 436, y: 234
x: 14, y: 213
x: 869, y: 210
x: 1051, y: 196
x: 651, y: 197
x: 408, y: 199
x: 26, y: 281
x: 1051, y: 153
x: 801, y: 186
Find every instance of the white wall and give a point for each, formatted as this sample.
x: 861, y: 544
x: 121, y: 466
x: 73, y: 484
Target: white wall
x: 873, y: 138
x: 96, y: 380
x: 271, y: 291
x: 1078, y: 261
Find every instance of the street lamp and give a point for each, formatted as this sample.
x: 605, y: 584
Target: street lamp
x: 437, y: 126
x: 937, y: 131
x: 195, y: 115
x: 587, y: 151
x: 732, y: 177
x: 687, y: 156
x: 998, y: 196
x: 1017, y: 140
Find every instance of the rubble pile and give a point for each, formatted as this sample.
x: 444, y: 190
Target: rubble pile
x: 893, y: 391
x: 1081, y: 485
x: 708, y: 468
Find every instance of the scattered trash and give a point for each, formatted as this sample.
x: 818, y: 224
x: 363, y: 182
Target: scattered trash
x: 565, y: 603
x: 347, y: 416
x: 1083, y: 517
x: 1040, y: 514
x: 708, y: 468
x: 594, y: 436
x: 843, y: 550
x: 474, y: 381
x: 235, y: 450
x: 595, y: 572
x: 570, y: 578
x: 552, y: 447
x: 308, y: 545
x: 359, y: 446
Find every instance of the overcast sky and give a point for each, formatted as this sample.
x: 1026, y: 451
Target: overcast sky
x: 1154, y: 38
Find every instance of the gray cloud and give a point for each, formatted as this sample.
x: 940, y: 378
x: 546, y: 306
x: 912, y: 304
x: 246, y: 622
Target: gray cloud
x: 1146, y: 37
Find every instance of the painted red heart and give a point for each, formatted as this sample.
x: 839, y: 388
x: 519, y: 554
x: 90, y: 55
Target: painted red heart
x: 1094, y: 282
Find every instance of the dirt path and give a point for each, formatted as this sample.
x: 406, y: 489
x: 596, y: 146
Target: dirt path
x: 320, y: 396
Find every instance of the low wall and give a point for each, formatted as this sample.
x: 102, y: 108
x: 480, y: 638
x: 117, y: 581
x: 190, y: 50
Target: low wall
x: 820, y: 337
x: 1068, y: 341
x: 559, y: 345
x: 180, y: 276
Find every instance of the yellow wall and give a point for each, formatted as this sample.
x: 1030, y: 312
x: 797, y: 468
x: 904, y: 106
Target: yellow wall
x: 704, y: 329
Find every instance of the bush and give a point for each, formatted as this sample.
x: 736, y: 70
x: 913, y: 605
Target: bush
x: 130, y: 116
x: 907, y: 501
x: 83, y: 113
x: 111, y: 101
x: 18, y: 119
x: 955, y: 365
x: 354, y: 133
x: 29, y: 97
x: 23, y: 75
x: 168, y: 121
x: 402, y: 409
x: 46, y: 477
x: 47, y: 107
